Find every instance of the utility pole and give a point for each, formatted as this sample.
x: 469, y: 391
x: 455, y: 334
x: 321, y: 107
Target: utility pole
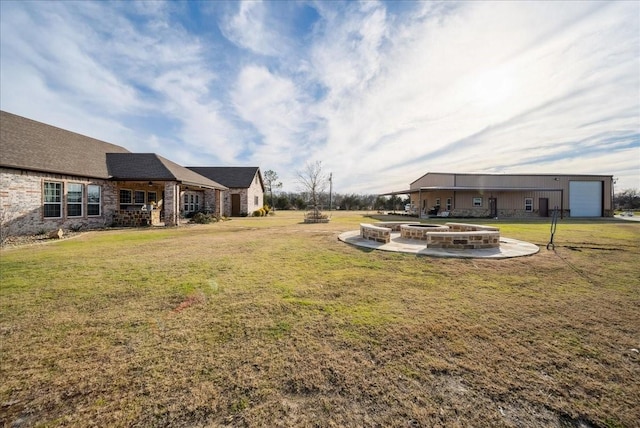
x: 330, y: 188
x: 614, y: 180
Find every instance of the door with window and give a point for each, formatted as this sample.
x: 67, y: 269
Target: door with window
x: 191, y: 203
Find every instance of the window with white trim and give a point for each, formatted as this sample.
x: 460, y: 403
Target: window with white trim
x: 93, y: 199
x: 74, y: 199
x: 52, y: 199
x: 126, y: 196
x: 437, y: 202
x: 477, y: 202
x: 528, y: 205
x: 139, y: 197
x: 448, y: 204
x: 255, y: 201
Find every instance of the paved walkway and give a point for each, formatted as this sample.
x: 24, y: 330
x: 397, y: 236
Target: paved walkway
x: 634, y: 218
x: 508, y: 247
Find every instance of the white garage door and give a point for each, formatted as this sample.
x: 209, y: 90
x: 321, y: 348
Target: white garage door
x: 585, y: 198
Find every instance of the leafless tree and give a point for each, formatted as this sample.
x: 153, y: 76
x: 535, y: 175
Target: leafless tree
x: 313, y: 180
x: 271, y: 182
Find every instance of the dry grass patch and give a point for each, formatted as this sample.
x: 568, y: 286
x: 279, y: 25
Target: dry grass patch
x: 267, y: 321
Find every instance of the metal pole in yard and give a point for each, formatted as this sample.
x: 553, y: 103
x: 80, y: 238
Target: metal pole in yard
x: 330, y: 188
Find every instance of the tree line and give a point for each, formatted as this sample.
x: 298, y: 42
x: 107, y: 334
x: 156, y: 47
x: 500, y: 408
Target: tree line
x: 314, y: 183
x: 339, y: 201
x: 627, y: 200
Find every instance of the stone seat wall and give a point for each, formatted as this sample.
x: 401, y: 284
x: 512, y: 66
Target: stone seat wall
x: 375, y: 233
x: 410, y: 231
x: 465, y: 227
x: 464, y: 240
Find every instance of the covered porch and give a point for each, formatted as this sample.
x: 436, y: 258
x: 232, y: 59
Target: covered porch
x: 162, y: 203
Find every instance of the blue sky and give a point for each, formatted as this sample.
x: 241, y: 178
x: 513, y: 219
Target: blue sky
x: 379, y: 92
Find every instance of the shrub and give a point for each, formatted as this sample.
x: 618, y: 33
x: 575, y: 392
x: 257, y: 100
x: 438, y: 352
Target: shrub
x: 260, y: 212
x: 202, y: 218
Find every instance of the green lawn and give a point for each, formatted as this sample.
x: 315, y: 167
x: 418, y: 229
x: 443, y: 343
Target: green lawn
x: 271, y: 322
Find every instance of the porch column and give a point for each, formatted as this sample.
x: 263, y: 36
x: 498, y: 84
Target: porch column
x: 171, y: 203
x: 218, y: 208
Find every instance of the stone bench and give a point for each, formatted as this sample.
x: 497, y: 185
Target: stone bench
x: 469, y: 240
x: 466, y: 227
x: 418, y: 231
x: 375, y: 233
x: 393, y: 225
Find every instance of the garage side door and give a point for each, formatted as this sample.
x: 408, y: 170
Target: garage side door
x: 585, y: 198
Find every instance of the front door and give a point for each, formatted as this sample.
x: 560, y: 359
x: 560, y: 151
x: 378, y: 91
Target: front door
x: 493, y: 207
x: 543, y: 203
x: 235, y: 204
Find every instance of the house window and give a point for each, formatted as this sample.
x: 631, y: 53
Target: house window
x: 52, y: 199
x: 528, y: 205
x: 93, y: 199
x: 196, y: 205
x: 152, y: 197
x: 437, y: 202
x: 477, y: 202
x: 74, y: 199
x: 255, y: 201
x: 138, y: 197
x: 125, y: 196
x: 448, y: 204
x: 186, y: 203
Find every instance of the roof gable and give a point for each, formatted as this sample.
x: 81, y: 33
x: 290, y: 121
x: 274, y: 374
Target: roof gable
x: 230, y: 176
x: 31, y: 145
x: 150, y: 166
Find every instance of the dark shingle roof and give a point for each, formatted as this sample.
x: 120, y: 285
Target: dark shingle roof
x: 31, y: 145
x: 230, y: 176
x: 150, y: 166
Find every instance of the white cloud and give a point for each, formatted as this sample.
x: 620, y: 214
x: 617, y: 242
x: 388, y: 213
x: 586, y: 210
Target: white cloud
x: 460, y: 86
x: 380, y: 92
x: 252, y: 28
x: 277, y: 109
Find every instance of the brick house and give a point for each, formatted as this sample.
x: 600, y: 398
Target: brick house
x: 52, y: 178
x: 246, y: 187
x: 511, y: 195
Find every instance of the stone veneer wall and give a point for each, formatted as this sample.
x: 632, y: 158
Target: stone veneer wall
x: 504, y: 213
x: 247, y: 198
x: 137, y: 218
x: 375, y: 233
x: 21, y: 203
x: 410, y: 231
x: 464, y: 240
x: 243, y: 200
x: 461, y: 236
x: 171, y: 203
x: 211, y: 204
